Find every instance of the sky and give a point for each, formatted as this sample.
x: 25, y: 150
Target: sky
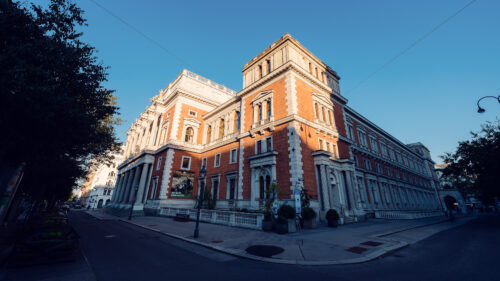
x: 427, y: 95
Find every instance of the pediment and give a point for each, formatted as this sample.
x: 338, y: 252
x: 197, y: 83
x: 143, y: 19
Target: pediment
x: 322, y: 98
x: 262, y: 95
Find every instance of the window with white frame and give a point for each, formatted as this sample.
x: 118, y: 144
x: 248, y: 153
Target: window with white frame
x: 362, y: 137
x: 258, y: 147
x: 269, y: 144
x: 262, y: 108
x: 391, y: 154
x: 217, y: 160
x: 350, y: 131
x: 186, y: 163
x: 323, y: 109
x: 383, y: 148
x: 373, y: 143
x: 158, y: 164
x: 379, y: 167
x: 233, y: 156
x: 355, y: 158
x: 320, y: 142
x: 204, y: 162
x: 368, y: 164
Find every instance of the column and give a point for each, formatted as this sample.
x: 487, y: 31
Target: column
x: 126, y: 188
x: 142, y: 182
x: 134, y: 185
x: 117, y: 186
x: 123, y: 185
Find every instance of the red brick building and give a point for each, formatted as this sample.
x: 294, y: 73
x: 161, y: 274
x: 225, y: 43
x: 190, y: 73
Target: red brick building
x: 289, y: 124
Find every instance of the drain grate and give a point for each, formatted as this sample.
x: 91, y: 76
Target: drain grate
x: 265, y: 251
x: 357, y: 250
x: 371, y: 243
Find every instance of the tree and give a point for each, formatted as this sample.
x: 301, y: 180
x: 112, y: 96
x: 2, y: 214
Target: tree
x: 55, y: 114
x: 474, y: 167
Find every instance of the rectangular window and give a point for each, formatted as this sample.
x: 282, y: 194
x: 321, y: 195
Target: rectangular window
x: 269, y: 144
x: 355, y: 158
x: 362, y: 138
x: 373, y: 143
x: 186, y: 163
x: 217, y: 160
x: 204, y: 162
x: 233, y: 156
x: 158, y: 164
x: 258, y: 147
x: 350, y: 132
x: 383, y: 149
x: 320, y: 144
x: 379, y: 168
x: 368, y: 164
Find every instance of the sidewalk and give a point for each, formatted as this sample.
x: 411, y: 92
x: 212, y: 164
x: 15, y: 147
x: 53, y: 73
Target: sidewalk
x: 352, y: 243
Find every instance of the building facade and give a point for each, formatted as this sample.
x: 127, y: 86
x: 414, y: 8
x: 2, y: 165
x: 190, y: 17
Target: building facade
x: 290, y: 125
x: 101, y: 181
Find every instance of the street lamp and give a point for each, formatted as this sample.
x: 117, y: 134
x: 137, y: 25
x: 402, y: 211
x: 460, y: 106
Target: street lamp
x: 480, y: 109
x: 201, y: 181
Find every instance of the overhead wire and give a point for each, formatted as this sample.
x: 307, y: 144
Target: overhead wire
x: 412, y: 45
x: 156, y: 43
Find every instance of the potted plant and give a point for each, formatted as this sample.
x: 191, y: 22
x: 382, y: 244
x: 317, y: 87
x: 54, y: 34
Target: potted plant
x: 308, y: 216
x: 288, y: 212
x: 281, y: 226
x: 332, y: 216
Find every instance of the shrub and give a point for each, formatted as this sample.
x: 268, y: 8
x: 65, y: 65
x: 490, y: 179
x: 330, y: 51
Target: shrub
x: 332, y: 214
x: 308, y: 213
x: 286, y: 211
x: 281, y: 220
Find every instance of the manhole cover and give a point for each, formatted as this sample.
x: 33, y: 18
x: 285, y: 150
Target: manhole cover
x: 371, y: 243
x: 217, y: 241
x: 265, y: 251
x: 357, y: 250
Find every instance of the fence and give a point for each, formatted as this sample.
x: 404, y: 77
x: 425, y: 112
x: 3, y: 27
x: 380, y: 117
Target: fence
x: 406, y: 215
x: 238, y: 219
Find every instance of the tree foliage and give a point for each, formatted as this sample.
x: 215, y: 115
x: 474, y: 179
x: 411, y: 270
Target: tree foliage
x: 55, y: 114
x: 475, y: 166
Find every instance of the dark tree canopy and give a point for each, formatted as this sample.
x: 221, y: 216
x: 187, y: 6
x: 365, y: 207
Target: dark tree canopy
x: 55, y: 114
x: 475, y: 166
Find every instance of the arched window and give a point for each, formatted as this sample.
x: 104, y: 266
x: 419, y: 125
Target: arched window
x: 209, y: 133
x: 221, y: 128
x: 189, y: 135
x: 316, y: 110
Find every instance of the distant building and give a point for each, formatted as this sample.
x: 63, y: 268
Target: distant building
x: 289, y: 124
x: 447, y: 189
x: 101, y: 180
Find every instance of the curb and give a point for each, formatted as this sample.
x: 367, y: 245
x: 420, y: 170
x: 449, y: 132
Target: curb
x: 241, y: 254
x: 409, y: 228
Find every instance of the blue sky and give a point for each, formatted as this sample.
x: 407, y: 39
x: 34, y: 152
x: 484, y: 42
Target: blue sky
x: 428, y: 95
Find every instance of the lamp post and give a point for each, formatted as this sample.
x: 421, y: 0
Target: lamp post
x: 133, y: 202
x: 480, y: 109
x: 201, y: 181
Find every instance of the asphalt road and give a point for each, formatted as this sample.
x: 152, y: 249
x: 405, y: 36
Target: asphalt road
x: 116, y: 250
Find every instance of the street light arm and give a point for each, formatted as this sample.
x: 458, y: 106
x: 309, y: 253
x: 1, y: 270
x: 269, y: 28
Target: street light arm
x: 479, y: 108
